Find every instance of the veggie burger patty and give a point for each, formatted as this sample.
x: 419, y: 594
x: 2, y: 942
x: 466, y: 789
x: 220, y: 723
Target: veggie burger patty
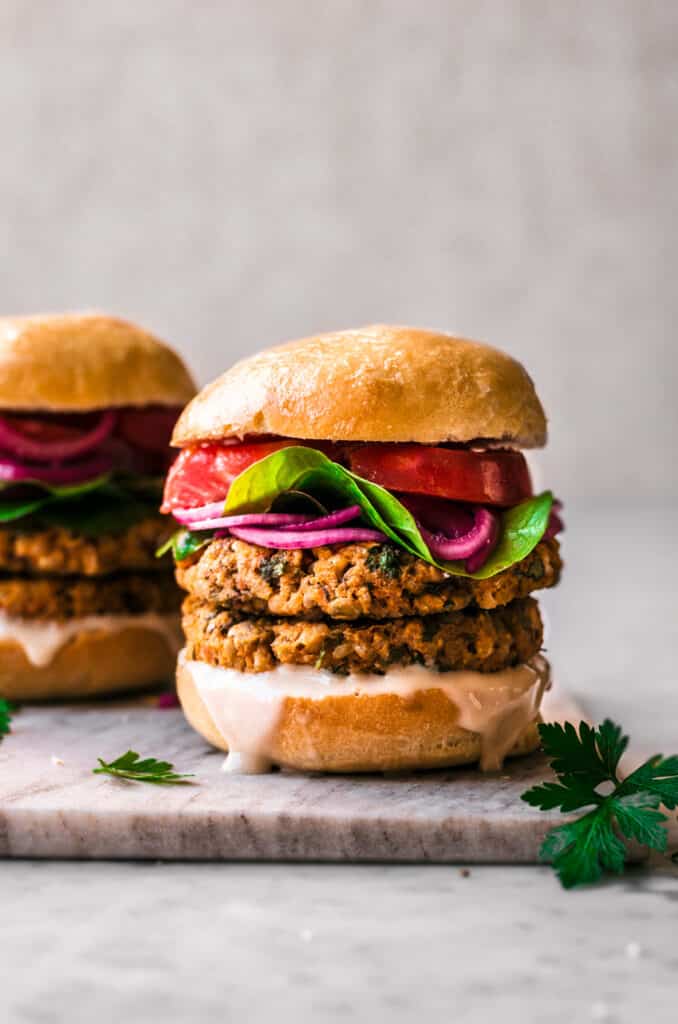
x: 59, y: 574
x: 378, y: 581
x: 67, y: 597
x: 65, y: 552
x: 470, y: 639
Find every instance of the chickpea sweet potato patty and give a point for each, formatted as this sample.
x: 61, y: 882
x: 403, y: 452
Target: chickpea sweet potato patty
x: 378, y: 581
x: 67, y: 597
x: 472, y: 639
x: 62, y: 552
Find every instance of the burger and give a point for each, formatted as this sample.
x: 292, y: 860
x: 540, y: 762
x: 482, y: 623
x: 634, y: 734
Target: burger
x: 360, y: 544
x: 87, y: 407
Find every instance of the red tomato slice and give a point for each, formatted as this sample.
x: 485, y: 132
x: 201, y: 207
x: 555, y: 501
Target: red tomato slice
x: 204, y: 473
x: 148, y: 429
x: 484, y: 478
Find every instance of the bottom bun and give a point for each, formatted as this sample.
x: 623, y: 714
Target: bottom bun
x: 361, y: 733
x: 88, y: 665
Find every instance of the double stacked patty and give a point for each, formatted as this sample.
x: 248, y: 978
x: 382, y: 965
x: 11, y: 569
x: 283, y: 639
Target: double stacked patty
x: 55, y: 574
x: 357, y: 608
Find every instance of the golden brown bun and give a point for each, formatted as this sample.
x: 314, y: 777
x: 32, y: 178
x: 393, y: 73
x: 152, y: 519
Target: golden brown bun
x: 78, y: 361
x: 89, y: 665
x: 360, y: 733
x: 377, y: 383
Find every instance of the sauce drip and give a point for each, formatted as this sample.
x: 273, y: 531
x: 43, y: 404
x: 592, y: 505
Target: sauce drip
x: 246, y: 707
x: 41, y: 639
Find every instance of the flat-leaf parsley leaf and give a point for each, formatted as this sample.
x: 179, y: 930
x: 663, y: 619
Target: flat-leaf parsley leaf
x: 131, y: 766
x: 6, y: 710
x: 585, y: 760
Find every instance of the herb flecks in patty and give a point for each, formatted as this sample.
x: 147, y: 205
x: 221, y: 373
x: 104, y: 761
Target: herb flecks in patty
x: 272, y: 568
x: 386, y: 559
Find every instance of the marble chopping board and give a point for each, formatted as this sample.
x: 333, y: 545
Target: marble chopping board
x: 51, y: 805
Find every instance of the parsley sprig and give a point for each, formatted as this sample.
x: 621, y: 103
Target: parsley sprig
x: 6, y: 710
x: 587, y: 760
x: 130, y: 766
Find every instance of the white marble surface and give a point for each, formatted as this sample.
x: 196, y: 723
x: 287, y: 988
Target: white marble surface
x: 178, y: 943
x: 147, y: 942
x: 51, y: 805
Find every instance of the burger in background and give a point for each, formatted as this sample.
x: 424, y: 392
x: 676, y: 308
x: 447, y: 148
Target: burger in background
x: 360, y: 543
x: 87, y: 407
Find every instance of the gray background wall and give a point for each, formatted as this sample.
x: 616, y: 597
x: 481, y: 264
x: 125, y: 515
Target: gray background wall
x: 233, y: 174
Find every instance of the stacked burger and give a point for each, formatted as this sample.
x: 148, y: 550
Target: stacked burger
x: 360, y: 544
x: 87, y: 406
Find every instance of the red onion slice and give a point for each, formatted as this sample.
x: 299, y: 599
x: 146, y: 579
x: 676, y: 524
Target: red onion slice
x: 13, y: 471
x: 455, y: 532
x: 288, y: 540
x: 190, y: 515
x: 344, y: 515
x: 25, y: 447
x: 555, y: 524
x: 453, y: 549
x: 168, y: 699
x: 439, y: 515
x: 478, y: 558
x: 279, y: 519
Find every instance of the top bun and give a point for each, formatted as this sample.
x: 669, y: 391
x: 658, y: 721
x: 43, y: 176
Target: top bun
x: 72, y: 362
x: 376, y: 383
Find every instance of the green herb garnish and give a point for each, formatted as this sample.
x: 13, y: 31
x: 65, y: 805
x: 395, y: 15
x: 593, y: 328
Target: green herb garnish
x: 130, y: 766
x: 584, y: 761
x: 6, y: 710
x: 184, y: 543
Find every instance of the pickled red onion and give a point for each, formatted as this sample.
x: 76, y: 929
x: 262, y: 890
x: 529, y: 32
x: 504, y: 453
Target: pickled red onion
x: 24, y: 447
x: 193, y: 515
x: 287, y: 540
x: 13, y: 471
x: 200, y: 519
x: 479, y: 557
x: 276, y: 519
x: 455, y: 532
x: 479, y: 537
x: 555, y: 524
x: 344, y: 515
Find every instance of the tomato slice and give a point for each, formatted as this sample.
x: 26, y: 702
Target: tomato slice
x: 204, y: 473
x: 484, y: 478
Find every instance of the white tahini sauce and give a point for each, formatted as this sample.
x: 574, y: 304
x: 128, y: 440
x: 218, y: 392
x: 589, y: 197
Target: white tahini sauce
x: 246, y: 707
x: 41, y: 639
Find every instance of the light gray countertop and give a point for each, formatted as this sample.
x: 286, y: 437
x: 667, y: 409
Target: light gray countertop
x: 133, y: 942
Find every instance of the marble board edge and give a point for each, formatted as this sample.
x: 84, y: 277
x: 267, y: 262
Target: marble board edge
x: 52, y: 810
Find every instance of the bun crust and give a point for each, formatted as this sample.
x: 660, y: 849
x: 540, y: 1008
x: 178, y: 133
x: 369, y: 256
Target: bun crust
x: 89, y: 665
x: 376, y: 383
x: 80, y: 361
x: 361, y: 733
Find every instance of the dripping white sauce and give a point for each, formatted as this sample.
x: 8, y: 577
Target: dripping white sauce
x: 246, y: 707
x: 41, y: 639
